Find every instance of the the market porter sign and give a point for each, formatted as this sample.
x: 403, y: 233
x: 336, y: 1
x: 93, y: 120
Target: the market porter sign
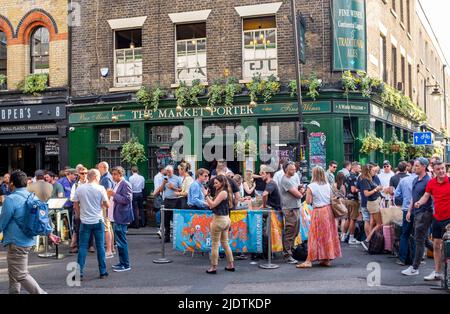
x: 349, y: 35
x: 197, y: 112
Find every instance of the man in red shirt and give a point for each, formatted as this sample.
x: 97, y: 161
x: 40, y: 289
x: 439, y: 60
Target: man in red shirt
x: 439, y: 189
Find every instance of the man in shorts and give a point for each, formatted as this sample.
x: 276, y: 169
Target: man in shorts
x: 352, y: 203
x: 439, y: 189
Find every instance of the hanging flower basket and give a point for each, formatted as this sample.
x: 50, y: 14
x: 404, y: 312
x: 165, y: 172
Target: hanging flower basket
x: 245, y: 148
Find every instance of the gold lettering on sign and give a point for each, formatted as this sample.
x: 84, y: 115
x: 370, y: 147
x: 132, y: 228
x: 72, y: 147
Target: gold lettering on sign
x: 311, y: 107
x: 162, y: 113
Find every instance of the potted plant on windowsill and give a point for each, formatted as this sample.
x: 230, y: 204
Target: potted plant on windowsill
x: 2, y: 81
x: 34, y: 84
x: 133, y: 152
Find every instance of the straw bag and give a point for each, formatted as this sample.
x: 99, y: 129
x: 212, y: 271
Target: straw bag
x: 338, y: 207
x: 392, y: 214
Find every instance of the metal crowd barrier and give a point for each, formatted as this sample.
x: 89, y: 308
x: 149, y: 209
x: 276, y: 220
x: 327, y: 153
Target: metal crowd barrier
x: 269, y: 265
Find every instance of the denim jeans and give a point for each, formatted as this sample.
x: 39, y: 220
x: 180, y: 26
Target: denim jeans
x: 98, y: 230
x: 407, y: 229
x: 158, y: 218
x: 120, y: 233
x: 422, y: 223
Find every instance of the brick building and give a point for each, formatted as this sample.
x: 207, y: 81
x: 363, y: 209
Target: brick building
x: 122, y: 45
x: 34, y: 44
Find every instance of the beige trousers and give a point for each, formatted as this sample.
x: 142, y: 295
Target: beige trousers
x: 19, y: 276
x: 219, y: 234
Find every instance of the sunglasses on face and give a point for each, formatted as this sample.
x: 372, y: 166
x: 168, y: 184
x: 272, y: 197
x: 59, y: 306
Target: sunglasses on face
x: 83, y: 173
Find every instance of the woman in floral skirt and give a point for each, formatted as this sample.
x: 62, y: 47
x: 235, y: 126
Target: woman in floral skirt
x: 323, y: 240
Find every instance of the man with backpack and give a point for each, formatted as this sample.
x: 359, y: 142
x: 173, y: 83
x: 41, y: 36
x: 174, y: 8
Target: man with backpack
x: 19, y: 227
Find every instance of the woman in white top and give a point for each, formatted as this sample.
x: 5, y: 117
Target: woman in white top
x: 183, y: 171
x: 323, y: 239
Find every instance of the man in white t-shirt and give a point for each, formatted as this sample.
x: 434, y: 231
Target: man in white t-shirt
x: 89, y: 201
x: 385, y: 176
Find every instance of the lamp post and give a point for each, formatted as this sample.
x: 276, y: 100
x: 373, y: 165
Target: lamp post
x: 298, y: 78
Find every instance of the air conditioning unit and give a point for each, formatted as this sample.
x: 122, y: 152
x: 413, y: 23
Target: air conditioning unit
x: 401, y: 86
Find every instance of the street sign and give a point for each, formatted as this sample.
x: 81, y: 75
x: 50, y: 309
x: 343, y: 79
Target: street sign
x: 301, y: 30
x: 423, y: 138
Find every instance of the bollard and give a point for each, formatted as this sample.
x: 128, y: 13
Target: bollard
x: 163, y: 259
x: 269, y: 264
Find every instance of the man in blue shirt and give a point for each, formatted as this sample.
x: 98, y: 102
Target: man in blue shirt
x: 106, y: 179
x: 403, y: 196
x: 196, y: 196
x: 422, y: 216
x: 19, y: 244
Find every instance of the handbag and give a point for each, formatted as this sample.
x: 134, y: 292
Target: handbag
x: 392, y: 214
x: 338, y: 207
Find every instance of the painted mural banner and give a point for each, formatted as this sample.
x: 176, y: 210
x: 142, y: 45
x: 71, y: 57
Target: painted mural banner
x: 317, y: 150
x: 192, y: 230
x: 277, y: 225
x: 349, y: 35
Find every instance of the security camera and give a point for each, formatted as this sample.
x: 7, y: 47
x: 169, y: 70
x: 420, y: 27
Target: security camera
x: 104, y: 72
x: 71, y: 129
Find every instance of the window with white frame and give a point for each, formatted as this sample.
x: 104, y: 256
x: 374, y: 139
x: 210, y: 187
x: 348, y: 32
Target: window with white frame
x: 191, y: 52
x: 259, y: 47
x: 128, y: 58
x: 40, y: 46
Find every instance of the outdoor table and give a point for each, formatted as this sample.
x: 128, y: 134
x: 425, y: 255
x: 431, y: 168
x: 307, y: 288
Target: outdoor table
x: 56, y: 208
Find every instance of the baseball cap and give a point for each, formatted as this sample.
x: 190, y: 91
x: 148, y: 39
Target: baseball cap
x: 386, y: 162
x: 39, y: 173
x: 423, y: 161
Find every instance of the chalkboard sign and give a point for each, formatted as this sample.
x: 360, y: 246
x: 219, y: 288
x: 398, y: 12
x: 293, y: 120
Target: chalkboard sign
x: 317, y: 150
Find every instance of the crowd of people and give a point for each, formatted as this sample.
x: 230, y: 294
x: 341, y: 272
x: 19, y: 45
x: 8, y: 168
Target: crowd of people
x: 102, y: 204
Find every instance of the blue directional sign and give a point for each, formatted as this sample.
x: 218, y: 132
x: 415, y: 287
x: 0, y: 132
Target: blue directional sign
x: 423, y: 138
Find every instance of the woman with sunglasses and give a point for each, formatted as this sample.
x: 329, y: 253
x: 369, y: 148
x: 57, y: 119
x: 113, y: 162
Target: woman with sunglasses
x: 221, y: 223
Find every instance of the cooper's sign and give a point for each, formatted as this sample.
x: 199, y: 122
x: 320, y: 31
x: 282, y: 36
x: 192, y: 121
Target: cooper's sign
x: 32, y: 113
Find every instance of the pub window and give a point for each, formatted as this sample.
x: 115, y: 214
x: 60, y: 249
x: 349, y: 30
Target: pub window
x: 110, y: 142
x: 383, y: 70
x: 260, y: 47
x: 403, y: 65
x: 408, y: 16
x: 128, y: 58
x: 410, y: 87
x: 349, y: 146
x: 394, y: 66
x: 288, y: 130
x: 3, y: 58
x: 40, y: 40
x: 191, y: 52
x: 402, y: 12
x: 160, y: 147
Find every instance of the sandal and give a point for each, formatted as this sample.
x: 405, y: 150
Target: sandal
x: 325, y: 264
x: 304, y: 265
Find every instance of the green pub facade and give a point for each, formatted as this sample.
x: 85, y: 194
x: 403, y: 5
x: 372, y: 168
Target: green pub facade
x: 96, y: 136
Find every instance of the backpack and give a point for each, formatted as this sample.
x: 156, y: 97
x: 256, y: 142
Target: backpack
x: 300, y: 253
x: 36, y: 221
x: 376, y: 243
x: 360, y: 233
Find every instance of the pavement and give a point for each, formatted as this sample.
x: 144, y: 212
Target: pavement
x: 186, y: 274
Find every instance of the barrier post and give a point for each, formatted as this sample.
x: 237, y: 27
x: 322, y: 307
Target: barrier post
x: 163, y: 259
x: 269, y: 264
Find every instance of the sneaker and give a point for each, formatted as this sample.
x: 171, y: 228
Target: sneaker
x: 117, y: 266
x: 400, y: 262
x: 159, y: 234
x: 290, y: 260
x: 353, y: 241
x: 108, y: 256
x: 343, y: 237
x: 434, y: 276
x: 410, y: 271
x: 365, y: 245
x: 122, y: 269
